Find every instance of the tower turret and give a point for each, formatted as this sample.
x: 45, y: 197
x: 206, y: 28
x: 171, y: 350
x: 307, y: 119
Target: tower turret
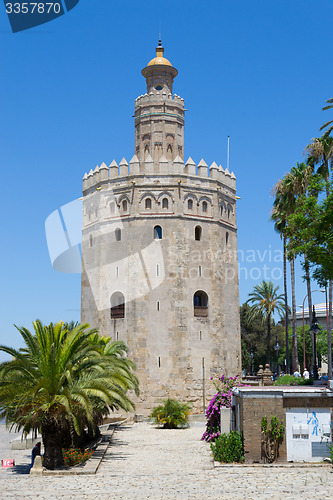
x: 159, y: 115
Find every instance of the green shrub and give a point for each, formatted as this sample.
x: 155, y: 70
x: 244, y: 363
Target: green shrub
x: 291, y: 380
x: 228, y: 448
x: 271, y: 438
x: 171, y: 414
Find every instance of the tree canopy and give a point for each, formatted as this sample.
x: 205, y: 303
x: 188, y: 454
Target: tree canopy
x: 265, y: 301
x: 310, y: 230
x: 64, y: 379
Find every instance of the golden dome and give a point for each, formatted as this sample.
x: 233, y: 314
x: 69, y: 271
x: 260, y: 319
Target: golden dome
x: 159, y: 59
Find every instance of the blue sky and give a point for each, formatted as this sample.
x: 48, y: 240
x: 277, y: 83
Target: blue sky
x: 258, y: 71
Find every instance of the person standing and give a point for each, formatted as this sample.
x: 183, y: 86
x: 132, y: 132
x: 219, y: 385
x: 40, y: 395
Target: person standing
x: 306, y: 374
x: 35, y: 452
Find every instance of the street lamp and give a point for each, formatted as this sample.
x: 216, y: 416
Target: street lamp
x: 314, y: 330
x: 313, y: 353
x: 251, y: 356
x: 277, y: 347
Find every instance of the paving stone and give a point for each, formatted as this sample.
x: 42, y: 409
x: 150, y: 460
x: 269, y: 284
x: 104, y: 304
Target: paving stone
x: 143, y: 462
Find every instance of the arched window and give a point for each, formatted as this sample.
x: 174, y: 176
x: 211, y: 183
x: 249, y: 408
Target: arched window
x: 125, y: 205
x: 112, y: 207
x: 228, y: 213
x: 90, y: 240
x: 117, y: 305
x: 157, y: 233
x: 146, y: 152
x: 165, y: 203
x: 148, y: 203
x: 200, y: 303
x: 118, y: 234
x: 204, y: 206
x: 221, y: 210
x: 169, y: 152
x: 198, y: 233
x: 226, y: 238
x: 190, y: 205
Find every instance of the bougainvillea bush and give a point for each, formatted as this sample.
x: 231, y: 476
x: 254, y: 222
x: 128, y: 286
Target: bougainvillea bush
x: 224, y: 387
x: 74, y: 456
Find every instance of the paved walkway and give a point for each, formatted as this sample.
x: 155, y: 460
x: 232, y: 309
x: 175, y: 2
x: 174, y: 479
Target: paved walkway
x: 147, y: 463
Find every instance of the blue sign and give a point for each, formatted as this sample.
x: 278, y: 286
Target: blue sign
x: 24, y: 15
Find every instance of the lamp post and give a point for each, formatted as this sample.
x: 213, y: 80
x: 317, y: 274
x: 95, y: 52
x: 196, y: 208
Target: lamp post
x: 314, y: 330
x: 251, y: 356
x: 277, y: 347
x: 313, y: 353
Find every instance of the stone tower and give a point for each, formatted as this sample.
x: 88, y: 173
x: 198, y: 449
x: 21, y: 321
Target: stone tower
x: 159, y: 253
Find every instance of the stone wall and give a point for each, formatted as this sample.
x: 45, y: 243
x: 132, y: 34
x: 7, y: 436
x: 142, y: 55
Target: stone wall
x: 252, y: 410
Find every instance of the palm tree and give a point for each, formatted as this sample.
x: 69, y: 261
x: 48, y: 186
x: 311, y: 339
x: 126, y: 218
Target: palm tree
x: 287, y: 190
x: 320, y: 152
x: 330, y: 123
x: 285, y: 200
x: 59, y: 382
x: 265, y: 300
x: 279, y: 216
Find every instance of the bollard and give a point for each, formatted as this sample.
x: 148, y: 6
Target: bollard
x: 37, y: 469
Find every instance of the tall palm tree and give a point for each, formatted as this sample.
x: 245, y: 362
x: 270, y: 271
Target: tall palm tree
x: 287, y: 190
x: 279, y: 216
x: 285, y: 199
x: 59, y: 382
x: 265, y: 300
x: 330, y: 123
x: 320, y: 152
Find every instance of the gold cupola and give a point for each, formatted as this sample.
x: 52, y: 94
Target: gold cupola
x: 159, y: 63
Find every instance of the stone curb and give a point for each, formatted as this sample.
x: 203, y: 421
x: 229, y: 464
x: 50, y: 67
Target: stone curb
x: 90, y: 466
x: 288, y: 465
x: 277, y: 465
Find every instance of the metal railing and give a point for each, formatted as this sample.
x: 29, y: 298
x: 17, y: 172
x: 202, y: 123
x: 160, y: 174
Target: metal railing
x: 118, y: 312
x: 201, y: 311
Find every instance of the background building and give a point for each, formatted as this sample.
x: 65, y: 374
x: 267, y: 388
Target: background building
x: 160, y: 268
x: 321, y: 315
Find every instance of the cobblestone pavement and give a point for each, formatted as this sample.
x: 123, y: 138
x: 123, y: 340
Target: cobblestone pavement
x: 147, y: 463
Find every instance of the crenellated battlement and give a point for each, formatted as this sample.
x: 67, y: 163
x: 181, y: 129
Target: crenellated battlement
x: 151, y: 98
x: 103, y: 173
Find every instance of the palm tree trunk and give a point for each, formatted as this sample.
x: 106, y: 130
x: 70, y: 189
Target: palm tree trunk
x: 294, y: 325
x: 329, y: 328
x: 308, y: 285
x: 268, y: 353
x: 286, y: 302
x: 329, y: 331
x: 52, y: 433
